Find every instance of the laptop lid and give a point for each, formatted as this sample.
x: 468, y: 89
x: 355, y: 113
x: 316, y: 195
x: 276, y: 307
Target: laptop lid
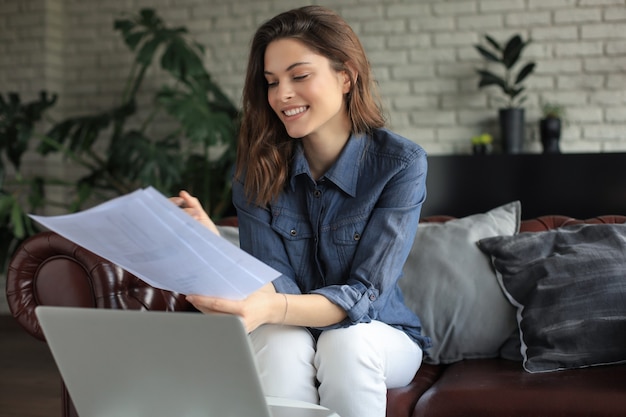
x: 145, y: 363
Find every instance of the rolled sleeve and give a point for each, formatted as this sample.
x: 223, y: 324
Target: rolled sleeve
x: 355, y: 299
x: 286, y: 285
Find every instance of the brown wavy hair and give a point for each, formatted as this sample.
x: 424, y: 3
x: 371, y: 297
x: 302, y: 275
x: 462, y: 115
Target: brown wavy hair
x: 265, y: 149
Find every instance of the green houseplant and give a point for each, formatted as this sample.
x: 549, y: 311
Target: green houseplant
x: 510, y: 80
x: 118, y: 148
x: 550, y: 127
x: 18, y: 122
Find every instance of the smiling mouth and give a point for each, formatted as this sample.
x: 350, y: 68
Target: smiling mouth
x: 296, y: 111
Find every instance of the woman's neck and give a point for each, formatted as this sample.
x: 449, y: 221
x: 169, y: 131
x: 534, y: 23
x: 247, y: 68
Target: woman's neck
x: 321, y: 153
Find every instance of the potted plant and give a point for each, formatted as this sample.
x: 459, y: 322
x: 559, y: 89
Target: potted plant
x: 510, y: 81
x: 481, y: 144
x: 118, y: 149
x: 550, y: 127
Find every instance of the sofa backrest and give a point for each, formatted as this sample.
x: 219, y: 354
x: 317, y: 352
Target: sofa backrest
x: 50, y: 270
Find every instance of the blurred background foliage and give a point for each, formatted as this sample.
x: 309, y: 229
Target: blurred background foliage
x: 119, y: 150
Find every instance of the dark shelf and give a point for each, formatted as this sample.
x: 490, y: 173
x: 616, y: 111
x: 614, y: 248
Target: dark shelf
x: 576, y: 185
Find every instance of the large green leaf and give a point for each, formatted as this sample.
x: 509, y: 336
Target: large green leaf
x: 148, y: 33
x: 144, y: 161
x: 487, y: 54
x: 8, y: 243
x: 18, y: 121
x: 131, y: 37
x: 512, y: 51
x: 182, y: 61
x: 135, y: 38
x: 80, y: 134
x: 149, y: 18
x: 17, y: 221
x: 200, y: 121
x: 37, y: 192
x: 488, y: 78
x: 148, y: 49
x: 495, y: 44
x: 525, y: 72
x: 6, y: 205
x: 124, y: 25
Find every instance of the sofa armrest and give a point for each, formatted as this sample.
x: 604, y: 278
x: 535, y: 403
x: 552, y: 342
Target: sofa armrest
x: 48, y: 269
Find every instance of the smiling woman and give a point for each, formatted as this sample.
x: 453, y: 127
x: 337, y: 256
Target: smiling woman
x: 307, y: 95
x: 331, y: 199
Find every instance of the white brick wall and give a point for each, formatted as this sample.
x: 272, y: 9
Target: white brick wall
x: 421, y: 51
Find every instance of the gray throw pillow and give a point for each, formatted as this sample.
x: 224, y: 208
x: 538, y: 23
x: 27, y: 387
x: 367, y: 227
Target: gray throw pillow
x: 452, y: 287
x: 569, y: 288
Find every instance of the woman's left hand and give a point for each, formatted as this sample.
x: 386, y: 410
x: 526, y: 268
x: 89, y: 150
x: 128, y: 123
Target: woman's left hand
x: 258, y: 308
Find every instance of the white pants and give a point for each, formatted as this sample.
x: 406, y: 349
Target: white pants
x: 348, y: 371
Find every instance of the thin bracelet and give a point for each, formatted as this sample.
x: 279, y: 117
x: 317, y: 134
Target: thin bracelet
x: 286, y: 308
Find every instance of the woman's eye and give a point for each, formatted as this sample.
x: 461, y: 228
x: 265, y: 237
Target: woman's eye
x: 300, y: 77
x: 271, y: 84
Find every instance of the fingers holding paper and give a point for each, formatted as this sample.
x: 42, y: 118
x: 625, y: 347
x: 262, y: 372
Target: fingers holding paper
x: 192, y: 206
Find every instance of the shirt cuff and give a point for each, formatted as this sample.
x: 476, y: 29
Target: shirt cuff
x: 285, y: 285
x: 357, y: 304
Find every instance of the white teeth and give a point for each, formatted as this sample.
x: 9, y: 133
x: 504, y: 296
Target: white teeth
x: 293, y: 112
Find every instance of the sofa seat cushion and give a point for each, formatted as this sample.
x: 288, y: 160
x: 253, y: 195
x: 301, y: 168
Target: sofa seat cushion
x: 498, y: 387
x: 401, y: 401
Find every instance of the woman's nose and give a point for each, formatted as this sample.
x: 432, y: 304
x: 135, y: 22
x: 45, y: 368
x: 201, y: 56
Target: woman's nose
x: 285, y: 92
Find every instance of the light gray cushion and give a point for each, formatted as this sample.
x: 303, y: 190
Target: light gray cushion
x: 452, y: 287
x: 569, y: 288
x: 229, y: 233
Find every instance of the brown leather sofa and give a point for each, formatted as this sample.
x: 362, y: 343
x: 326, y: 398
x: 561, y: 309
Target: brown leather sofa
x: 49, y: 270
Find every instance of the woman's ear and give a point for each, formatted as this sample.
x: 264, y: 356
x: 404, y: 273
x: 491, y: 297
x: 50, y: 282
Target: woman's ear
x: 350, y: 75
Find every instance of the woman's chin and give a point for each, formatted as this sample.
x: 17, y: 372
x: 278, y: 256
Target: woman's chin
x: 296, y: 133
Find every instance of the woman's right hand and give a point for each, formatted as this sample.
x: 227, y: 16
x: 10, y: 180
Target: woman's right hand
x: 192, y: 206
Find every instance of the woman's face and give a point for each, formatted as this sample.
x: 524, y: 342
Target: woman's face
x: 305, y: 92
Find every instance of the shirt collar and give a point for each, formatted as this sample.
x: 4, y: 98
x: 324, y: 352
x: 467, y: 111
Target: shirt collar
x: 345, y: 171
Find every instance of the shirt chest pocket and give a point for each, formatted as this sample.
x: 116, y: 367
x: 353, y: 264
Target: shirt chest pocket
x: 348, y: 233
x: 346, y: 237
x: 299, y: 239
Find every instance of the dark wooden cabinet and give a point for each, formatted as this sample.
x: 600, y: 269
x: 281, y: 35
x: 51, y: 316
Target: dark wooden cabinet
x: 576, y: 185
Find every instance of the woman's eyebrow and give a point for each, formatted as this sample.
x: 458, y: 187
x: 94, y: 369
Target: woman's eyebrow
x: 289, y: 68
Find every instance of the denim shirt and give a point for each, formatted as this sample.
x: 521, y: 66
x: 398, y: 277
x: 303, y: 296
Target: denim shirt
x: 347, y: 235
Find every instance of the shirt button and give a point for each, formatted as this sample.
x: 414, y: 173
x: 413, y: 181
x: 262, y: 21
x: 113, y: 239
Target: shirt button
x: 317, y: 193
x: 293, y: 232
x: 372, y: 297
x: 357, y: 236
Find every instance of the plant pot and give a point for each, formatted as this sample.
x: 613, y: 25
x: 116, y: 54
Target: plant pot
x: 512, y: 130
x: 481, y: 149
x: 550, y: 133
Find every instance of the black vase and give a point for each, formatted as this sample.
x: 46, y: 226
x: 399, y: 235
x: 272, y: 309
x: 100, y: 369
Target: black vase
x: 512, y: 129
x: 550, y: 133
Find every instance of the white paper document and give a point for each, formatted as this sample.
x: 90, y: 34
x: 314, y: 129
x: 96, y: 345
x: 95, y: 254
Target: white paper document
x: 150, y: 237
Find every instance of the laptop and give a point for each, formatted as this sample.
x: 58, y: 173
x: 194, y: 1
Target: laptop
x: 129, y: 363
